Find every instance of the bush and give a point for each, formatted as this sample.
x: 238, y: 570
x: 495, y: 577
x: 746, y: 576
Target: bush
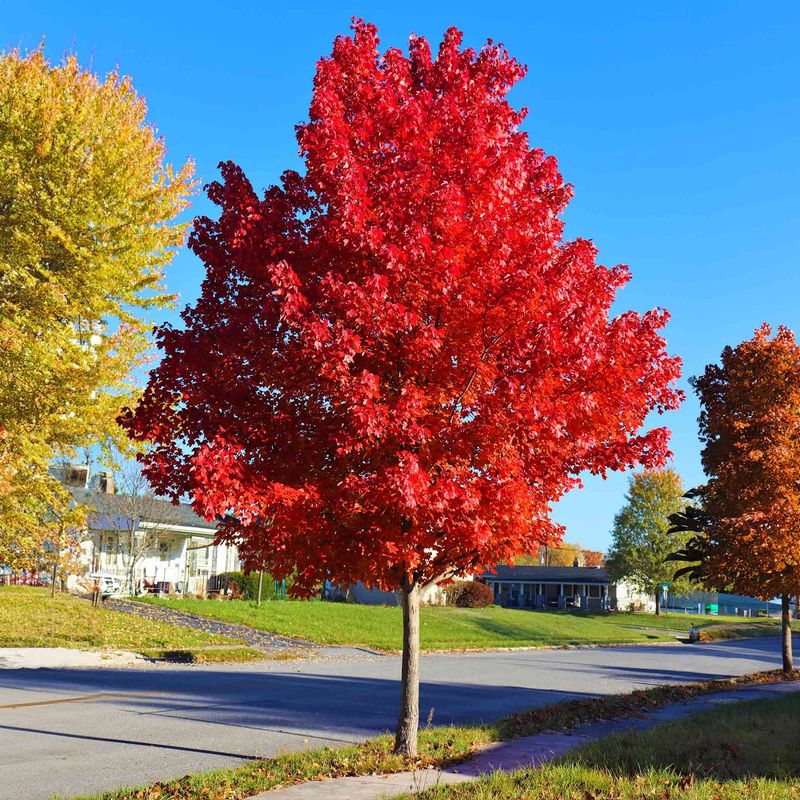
x: 469, y: 594
x: 245, y: 587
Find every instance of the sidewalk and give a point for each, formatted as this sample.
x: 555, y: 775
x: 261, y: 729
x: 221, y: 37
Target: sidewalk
x: 64, y: 658
x: 527, y: 751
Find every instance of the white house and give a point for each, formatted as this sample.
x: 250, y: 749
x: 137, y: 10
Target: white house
x: 146, y: 541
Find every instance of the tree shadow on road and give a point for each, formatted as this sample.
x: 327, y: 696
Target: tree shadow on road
x: 352, y: 706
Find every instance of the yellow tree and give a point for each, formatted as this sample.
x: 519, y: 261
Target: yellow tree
x: 641, y: 538
x: 750, y: 423
x: 87, y: 226
x: 562, y: 554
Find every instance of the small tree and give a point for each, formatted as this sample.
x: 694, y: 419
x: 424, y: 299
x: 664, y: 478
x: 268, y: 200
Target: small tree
x: 748, y: 537
x: 642, y: 538
x: 593, y: 558
x: 397, y: 365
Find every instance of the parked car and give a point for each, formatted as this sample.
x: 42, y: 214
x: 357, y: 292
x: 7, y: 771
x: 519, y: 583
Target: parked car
x: 108, y: 584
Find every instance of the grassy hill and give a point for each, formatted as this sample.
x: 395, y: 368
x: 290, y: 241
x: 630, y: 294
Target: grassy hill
x: 447, y: 628
x: 29, y: 617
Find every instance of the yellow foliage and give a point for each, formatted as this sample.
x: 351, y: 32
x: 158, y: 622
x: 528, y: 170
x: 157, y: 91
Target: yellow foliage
x: 87, y: 210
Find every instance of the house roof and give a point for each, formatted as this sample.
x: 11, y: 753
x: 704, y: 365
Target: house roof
x: 112, y: 509
x: 540, y: 574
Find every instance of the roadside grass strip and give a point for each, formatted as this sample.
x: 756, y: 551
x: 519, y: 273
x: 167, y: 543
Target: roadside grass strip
x: 438, y: 747
x: 30, y: 617
x: 740, y: 750
x: 574, y: 782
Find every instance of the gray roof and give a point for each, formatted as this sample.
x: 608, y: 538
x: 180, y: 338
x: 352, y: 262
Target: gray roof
x: 112, y: 509
x: 539, y: 574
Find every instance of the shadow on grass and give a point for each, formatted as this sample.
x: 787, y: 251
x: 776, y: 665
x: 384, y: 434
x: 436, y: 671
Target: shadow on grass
x: 178, y: 656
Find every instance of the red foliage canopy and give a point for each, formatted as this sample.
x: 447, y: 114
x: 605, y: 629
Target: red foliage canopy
x: 397, y: 364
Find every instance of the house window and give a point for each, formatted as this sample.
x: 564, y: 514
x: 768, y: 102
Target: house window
x: 163, y: 551
x: 594, y: 591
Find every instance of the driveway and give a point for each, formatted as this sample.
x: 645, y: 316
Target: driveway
x: 81, y: 731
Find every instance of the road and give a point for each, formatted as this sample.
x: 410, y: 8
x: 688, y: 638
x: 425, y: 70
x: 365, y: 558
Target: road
x: 81, y: 731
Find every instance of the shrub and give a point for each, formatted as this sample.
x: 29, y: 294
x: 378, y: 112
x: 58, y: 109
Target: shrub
x: 469, y: 594
x: 245, y: 587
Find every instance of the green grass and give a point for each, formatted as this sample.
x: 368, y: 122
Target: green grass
x: 438, y: 747
x: 573, y: 782
x: 741, y: 630
x: 742, y: 750
x: 31, y: 618
x: 751, y: 738
x: 682, y: 622
x: 442, y: 628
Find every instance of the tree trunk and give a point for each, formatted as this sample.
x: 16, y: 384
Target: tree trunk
x: 658, y: 604
x: 260, y: 584
x: 405, y: 740
x: 786, y: 631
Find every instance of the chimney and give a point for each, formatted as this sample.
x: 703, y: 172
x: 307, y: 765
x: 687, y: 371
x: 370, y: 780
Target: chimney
x: 105, y: 483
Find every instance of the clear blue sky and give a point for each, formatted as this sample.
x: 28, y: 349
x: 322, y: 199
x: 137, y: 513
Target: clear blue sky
x: 677, y: 123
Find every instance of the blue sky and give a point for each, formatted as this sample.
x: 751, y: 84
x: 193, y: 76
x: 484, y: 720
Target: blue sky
x: 677, y: 123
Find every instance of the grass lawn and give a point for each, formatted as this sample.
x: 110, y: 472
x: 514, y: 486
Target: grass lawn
x: 446, y: 745
x: 31, y: 618
x: 752, y: 738
x: 443, y: 628
x: 747, y: 750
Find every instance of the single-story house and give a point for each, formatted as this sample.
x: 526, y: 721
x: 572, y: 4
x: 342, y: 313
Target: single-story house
x: 562, y: 587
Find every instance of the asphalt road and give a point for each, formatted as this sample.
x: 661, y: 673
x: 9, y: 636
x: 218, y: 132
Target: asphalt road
x: 79, y: 731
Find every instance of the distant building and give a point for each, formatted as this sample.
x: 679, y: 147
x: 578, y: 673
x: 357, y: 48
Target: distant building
x: 145, y: 541
x: 432, y: 595
x: 540, y: 587
x: 735, y: 605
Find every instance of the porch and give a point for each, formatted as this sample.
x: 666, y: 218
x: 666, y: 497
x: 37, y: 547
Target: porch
x: 545, y: 594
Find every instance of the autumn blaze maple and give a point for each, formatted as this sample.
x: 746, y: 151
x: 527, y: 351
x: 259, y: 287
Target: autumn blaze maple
x: 396, y: 364
x: 750, y: 423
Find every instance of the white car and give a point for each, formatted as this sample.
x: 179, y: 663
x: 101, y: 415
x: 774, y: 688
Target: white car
x: 109, y: 584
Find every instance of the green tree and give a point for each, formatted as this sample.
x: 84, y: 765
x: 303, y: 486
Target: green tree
x: 641, y: 538
x: 87, y: 210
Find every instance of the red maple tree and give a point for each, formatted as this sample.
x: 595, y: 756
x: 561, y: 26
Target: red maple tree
x: 397, y: 364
